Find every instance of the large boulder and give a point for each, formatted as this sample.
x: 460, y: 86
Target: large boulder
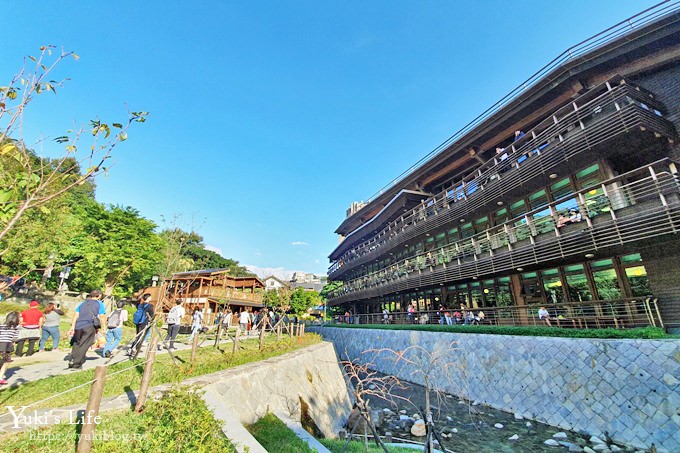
x: 418, y: 429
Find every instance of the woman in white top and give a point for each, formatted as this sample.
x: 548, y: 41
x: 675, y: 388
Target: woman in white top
x: 244, y: 320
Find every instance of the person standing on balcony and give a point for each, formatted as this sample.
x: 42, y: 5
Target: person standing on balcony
x: 518, y: 135
x: 411, y: 313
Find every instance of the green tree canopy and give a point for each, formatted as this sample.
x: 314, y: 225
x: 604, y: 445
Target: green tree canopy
x: 119, y: 249
x: 301, y: 300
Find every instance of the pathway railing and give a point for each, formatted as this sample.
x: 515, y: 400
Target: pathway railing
x: 619, y: 314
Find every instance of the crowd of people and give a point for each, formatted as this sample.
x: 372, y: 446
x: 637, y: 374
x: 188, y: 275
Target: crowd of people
x: 92, y: 327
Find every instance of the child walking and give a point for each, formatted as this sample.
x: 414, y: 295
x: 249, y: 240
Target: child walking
x: 9, y: 332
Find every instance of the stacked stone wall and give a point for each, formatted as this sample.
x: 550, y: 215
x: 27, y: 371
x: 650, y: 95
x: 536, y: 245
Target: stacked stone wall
x: 628, y: 389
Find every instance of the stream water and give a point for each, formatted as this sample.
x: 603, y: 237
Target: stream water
x: 473, y: 428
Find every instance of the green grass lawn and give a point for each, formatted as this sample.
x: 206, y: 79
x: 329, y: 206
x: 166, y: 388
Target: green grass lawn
x: 208, y: 361
x: 275, y: 436
x: 178, y: 422
x: 355, y: 446
x: 538, y: 331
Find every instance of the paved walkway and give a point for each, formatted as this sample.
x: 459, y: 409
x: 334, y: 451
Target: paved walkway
x: 46, y: 364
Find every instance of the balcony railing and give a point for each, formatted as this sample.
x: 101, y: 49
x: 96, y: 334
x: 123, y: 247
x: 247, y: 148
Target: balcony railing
x: 618, y: 314
x: 547, y: 74
x: 597, y: 116
x: 637, y: 205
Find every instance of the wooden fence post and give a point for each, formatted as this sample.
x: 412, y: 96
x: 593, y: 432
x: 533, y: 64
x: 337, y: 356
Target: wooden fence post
x: 91, y: 416
x: 238, y: 334
x: 146, y: 376
x: 262, y: 327
x: 219, y: 334
x: 194, y: 346
x: 291, y: 326
x: 278, y: 332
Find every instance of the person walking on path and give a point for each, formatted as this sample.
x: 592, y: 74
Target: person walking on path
x: 114, y: 328
x: 196, y: 322
x: 142, y: 320
x: 50, y: 327
x: 31, y: 322
x: 174, y: 320
x: 244, y: 320
x: 9, y: 332
x: 88, y: 318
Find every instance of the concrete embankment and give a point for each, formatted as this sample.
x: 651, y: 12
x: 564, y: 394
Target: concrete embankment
x: 628, y: 389
x: 307, y: 383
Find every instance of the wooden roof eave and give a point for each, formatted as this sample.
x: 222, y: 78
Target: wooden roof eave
x: 566, y: 75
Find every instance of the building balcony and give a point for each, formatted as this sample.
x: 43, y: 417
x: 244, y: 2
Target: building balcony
x: 593, y: 122
x: 639, y: 205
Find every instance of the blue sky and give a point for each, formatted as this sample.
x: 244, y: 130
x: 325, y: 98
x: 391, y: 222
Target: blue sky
x: 267, y: 119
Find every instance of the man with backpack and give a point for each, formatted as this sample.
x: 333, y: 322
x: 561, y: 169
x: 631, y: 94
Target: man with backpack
x: 114, y: 326
x: 196, y: 323
x: 142, y: 320
x: 174, y: 319
x: 87, y: 319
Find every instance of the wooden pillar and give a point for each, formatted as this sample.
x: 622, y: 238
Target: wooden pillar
x: 91, y: 416
x: 235, y: 346
x: 194, y: 346
x: 146, y: 376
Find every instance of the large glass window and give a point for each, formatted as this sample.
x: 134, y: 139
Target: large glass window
x: 462, y: 295
x: 489, y: 293
x: 453, y: 235
x: 606, y: 280
x: 561, y: 188
x: 552, y: 283
x: 501, y: 216
x: 476, y: 295
x: 577, y: 283
x: 636, y: 274
x: 517, y: 209
x: 481, y: 224
x: 503, y: 294
x: 467, y: 230
x: 531, y: 287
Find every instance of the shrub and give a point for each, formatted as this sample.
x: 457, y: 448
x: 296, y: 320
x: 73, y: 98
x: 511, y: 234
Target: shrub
x: 538, y: 331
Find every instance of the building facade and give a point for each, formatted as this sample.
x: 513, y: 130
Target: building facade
x: 566, y: 194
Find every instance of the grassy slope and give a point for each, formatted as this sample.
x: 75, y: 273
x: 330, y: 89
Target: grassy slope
x: 180, y: 421
x: 208, y: 361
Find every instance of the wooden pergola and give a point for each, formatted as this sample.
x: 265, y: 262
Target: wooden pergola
x: 209, y: 290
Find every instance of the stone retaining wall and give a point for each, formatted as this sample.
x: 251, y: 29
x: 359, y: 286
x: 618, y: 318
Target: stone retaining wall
x: 627, y: 388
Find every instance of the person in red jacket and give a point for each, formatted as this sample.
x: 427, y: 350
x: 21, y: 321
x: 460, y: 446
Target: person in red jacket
x: 31, y: 322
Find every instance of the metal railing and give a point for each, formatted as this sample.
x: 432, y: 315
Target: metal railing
x: 547, y: 74
x: 637, y: 205
x: 619, y: 314
x: 597, y: 116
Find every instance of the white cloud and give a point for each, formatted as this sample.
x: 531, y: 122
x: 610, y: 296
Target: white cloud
x: 279, y: 272
x: 299, y: 243
x: 214, y: 249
